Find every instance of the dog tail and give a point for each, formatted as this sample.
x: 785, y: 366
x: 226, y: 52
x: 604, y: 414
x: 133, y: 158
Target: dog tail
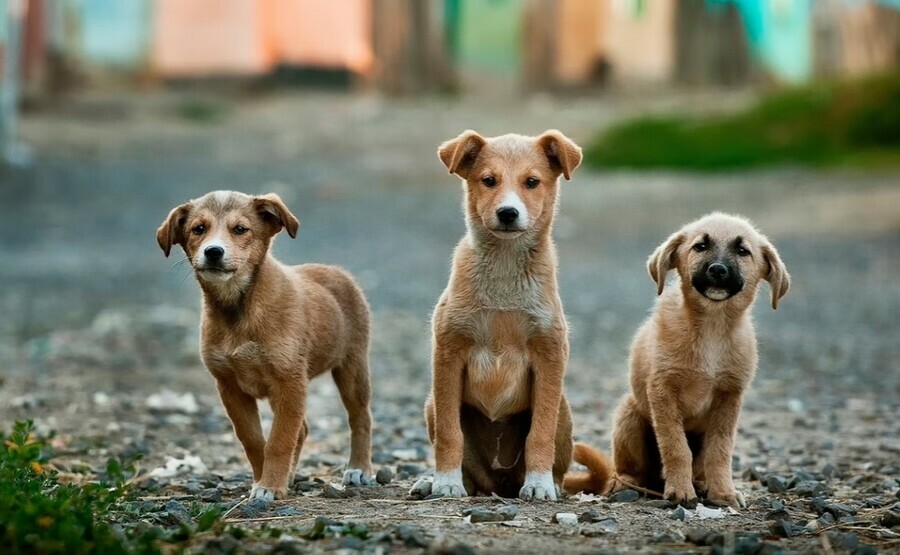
x: 598, y: 477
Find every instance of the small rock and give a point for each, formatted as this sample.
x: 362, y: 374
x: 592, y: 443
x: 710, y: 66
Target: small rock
x: 678, y: 514
x: 782, y: 529
x: 810, y: 488
x: 211, y: 495
x: 844, y: 540
x: 287, y: 511
x: 331, y: 492
x: 659, y: 503
x: 829, y: 470
x: 802, y: 475
x: 384, y: 475
x: 410, y: 536
x: 566, y: 519
x: 625, y: 496
x: 479, y: 514
x: 890, y: 519
x: 779, y: 514
x: 827, y: 519
x: 697, y: 536
x: 776, y: 484
x: 254, y: 508
x: 839, y: 509
x: 591, y: 515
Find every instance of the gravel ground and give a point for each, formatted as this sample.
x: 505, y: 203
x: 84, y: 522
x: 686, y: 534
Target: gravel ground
x: 100, y: 338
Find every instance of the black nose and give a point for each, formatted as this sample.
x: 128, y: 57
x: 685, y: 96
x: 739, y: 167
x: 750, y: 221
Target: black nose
x: 213, y: 254
x: 717, y: 271
x: 507, y: 215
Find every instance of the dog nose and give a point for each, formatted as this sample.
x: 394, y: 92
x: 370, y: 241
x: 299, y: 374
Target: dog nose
x: 717, y: 271
x: 214, y: 254
x: 507, y: 215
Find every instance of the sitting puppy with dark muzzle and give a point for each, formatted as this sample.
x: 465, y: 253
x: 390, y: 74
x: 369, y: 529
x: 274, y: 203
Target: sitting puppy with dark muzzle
x: 692, y: 360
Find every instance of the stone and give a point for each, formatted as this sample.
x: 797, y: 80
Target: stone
x: 678, y: 514
x: 384, y: 475
x: 776, y: 484
x: 566, y: 519
x: 479, y: 514
x: 625, y: 496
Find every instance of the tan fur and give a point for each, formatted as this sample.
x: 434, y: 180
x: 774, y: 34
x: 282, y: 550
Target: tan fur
x: 497, y: 411
x: 267, y: 329
x: 691, y: 362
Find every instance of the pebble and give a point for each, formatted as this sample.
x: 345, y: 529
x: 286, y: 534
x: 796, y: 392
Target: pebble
x: 178, y: 511
x: 810, y: 488
x: 254, y: 508
x: 331, y: 492
x: 829, y: 470
x: 659, y: 503
x: 479, y: 514
x: 384, y: 475
x: 782, y: 529
x: 211, y: 495
x: 625, y: 496
x: 410, y: 536
x: 778, y: 514
x: 839, y: 509
x: 287, y: 511
x: 678, y: 514
x: 565, y: 519
x: 890, y: 519
x: 591, y: 515
x: 776, y: 484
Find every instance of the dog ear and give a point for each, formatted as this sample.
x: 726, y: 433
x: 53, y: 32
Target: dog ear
x: 274, y: 212
x: 171, y: 232
x: 663, y: 259
x: 564, y: 155
x: 459, y: 154
x: 776, y: 274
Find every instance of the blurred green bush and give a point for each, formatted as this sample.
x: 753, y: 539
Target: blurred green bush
x: 852, y: 122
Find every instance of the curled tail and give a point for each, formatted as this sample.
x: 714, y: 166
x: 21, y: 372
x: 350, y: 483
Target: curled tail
x: 598, y: 477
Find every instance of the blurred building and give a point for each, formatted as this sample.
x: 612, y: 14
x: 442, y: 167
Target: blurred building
x: 414, y: 46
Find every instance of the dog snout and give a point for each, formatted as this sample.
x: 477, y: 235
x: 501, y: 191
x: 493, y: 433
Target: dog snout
x: 718, y: 271
x: 214, y: 253
x: 507, y: 215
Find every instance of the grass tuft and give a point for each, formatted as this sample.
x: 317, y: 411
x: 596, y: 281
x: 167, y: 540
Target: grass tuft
x: 847, y: 123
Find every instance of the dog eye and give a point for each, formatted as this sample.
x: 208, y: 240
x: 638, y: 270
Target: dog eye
x: 742, y: 251
x: 489, y: 181
x: 532, y: 182
x: 700, y: 247
x: 199, y: 229
x: 239, y: 230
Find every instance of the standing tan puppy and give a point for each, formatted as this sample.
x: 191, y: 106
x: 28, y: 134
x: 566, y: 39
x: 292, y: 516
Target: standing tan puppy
x: 497, y: 415
x: 267, y: 329
x: 693, y: 359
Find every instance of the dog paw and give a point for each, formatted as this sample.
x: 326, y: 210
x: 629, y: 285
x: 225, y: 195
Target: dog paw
x: 267, y: 494
x: 356, y: 477
x: 422, y: 488
x: 732, y: 498
x: 681, y: 494
x: 538, y: 486
x: 448, y: 484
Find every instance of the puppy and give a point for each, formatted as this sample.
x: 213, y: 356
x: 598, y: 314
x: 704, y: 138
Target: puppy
x: 692, y: 360
x: 497, y: 415
x: 267, y: 329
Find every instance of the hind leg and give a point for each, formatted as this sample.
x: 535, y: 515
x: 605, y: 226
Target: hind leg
x: 563, y: 455
x: 630, y: 453
x: 352, y: 379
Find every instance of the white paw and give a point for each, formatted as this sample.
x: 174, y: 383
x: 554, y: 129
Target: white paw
x: 448, y: 484
x: 260, y: 492
x: 422, y: 488
x: 356, y: 477
x: 538, y: 486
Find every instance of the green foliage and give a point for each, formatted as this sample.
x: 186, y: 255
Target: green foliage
x: 40, y: 514
x: 856, y: 122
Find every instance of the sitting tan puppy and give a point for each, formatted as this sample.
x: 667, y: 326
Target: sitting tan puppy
x: 267, y: 329
x: 497, y: 415
x: 693, y: 359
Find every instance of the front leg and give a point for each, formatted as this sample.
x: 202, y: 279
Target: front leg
x: 288, y: 402
x: 668, y: 425
x: 718, y: 446
x: 548, y: 360
x: 447, y: 391
x: 244, y: 415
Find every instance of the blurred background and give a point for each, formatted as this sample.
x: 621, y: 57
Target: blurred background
x: 115, y: 111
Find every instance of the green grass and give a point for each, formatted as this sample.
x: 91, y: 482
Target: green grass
x: 849, y: 123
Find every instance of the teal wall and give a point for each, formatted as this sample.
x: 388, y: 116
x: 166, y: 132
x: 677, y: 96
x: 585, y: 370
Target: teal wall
x: 486, y: 34
x: 115, y: 32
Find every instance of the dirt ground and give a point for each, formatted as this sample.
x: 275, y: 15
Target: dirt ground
x: 99, y: 339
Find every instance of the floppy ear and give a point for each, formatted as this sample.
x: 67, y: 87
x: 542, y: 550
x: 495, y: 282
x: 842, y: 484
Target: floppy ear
x: 564, y: 155
x: 777, y: 275
x: 459, y: 154
x: 663, y: 259
x: 171, y: 232
x: 275, y: 213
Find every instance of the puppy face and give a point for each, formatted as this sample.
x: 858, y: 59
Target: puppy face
x: 511, y: 180
x: 723, y: 258
x: 226, y: 234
